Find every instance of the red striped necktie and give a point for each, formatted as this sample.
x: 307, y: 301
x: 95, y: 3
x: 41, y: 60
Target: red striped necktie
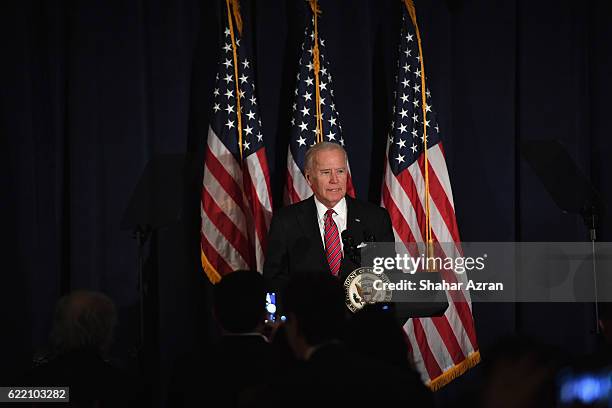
x: 332, y: 243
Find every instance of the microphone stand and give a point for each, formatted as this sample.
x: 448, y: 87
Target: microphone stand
x: 350, y: 248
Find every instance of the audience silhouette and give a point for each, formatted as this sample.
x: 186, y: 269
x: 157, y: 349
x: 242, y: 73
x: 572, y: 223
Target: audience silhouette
x: 322, y: 355
x: 331, y: 372
x: 80, y: 340
x: 233, y: 372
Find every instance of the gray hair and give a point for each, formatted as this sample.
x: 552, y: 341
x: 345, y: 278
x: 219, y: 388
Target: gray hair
x: 83, y: 319
x: 312, y: 152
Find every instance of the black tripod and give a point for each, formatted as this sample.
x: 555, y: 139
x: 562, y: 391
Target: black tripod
x: 570, y: 190
x: 156, y: 202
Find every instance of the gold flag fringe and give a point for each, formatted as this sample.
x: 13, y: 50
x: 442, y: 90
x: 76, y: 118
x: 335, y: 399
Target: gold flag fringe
x: 209, y: 270
x: 454, y: 372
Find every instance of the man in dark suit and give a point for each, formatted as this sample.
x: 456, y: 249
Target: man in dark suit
x: 83, y: 326
x: 230, y: 373
x: 322, y: 234
x: 330, y: 373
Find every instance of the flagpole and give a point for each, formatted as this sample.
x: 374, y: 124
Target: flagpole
x: 236, y: 12
x: 314, y: 6
x: 429, y: 240
x: 213, y: 274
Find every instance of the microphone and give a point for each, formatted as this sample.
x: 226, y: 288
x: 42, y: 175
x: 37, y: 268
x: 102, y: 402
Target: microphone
x: 368, y: 236
x: 349, y: 246
x: 370, y: 249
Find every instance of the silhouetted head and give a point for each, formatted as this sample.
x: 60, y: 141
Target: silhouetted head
x: 240, y: 301
x: 521, y: 372
x: 83, y: 320
x: 315, y: 309
x: 375, y: 332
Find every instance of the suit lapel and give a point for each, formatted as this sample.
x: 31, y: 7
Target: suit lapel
x: 309, y: 223
x: 354, y: 220
x: 307, y: 218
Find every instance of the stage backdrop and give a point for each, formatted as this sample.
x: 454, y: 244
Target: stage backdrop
x: 93, y: 90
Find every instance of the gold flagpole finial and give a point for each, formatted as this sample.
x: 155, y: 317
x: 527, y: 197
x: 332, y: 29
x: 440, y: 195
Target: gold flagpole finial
x: 237, y: 16
x: 314, y: 6
x: 410, y: 6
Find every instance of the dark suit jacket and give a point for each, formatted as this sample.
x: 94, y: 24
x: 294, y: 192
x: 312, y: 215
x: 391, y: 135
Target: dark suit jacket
x: 92, y: 380
x: 295, y: 245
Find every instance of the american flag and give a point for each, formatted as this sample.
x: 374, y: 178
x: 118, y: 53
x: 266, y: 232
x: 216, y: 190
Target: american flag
x: 442, y: 347
x: 236, y: 202
x: 304, y: 121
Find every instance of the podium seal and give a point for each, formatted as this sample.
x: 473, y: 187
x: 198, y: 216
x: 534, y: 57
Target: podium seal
x: 359, y: 288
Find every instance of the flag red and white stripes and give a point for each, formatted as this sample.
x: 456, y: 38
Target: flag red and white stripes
x: 442, y: 347
x: 236, y: 202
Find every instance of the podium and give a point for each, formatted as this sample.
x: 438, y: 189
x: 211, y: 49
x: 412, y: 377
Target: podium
x: 430, y: 303
x: 413, y: 303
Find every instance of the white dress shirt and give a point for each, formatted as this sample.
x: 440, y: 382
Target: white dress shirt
x: 339, y: 218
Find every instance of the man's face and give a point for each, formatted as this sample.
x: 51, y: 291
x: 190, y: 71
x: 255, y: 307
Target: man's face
x: 328, y: 176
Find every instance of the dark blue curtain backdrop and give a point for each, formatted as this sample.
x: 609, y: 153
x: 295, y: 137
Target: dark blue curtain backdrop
x: 92, y: 90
